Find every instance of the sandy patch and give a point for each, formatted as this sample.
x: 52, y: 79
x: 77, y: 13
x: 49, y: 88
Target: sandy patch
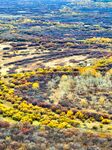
x: 65, y: 60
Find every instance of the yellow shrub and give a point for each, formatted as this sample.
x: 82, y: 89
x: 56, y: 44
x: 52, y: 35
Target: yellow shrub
x: 106, y: 121
x: 63, y: 125
x: 11, y: 91
x: 76, y: 123
x: 110, y: 127
x: 26, y: 119
x: 98, y: 40
x: 79, y: 115
x: 89, y: 71
x: 102, y: 100
x: 40, y: 70
x: 69, y: 113
x: 18, y: 116
x: 45, y: 122
x: 35, y: 85
x: 53, y: 123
